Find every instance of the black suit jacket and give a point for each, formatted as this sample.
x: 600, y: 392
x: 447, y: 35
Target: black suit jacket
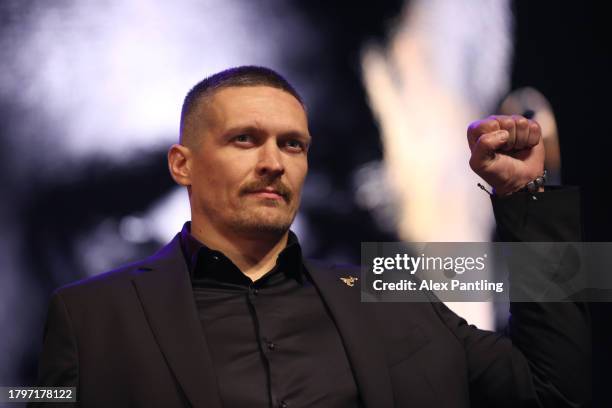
x: 132, y: 337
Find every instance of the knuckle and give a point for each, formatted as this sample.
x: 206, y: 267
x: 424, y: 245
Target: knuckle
x: 521, y: 121
x: 534, y: 126
x: 473, y: 127
x: 508, y: 122
x: 501, y: 118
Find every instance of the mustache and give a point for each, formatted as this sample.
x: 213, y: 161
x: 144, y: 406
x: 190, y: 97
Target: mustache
x: 258, y: 185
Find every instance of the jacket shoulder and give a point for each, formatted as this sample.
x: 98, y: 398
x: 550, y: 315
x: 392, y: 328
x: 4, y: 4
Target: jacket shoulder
x: 121, y: 275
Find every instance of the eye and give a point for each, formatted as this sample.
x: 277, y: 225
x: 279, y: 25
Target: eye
x: 295, y: 145
x: 243, y: 139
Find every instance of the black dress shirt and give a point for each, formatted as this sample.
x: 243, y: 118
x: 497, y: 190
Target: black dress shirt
x: 272, y: 342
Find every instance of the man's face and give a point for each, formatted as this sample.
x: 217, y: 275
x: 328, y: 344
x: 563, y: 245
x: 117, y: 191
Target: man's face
x: 249, y: 167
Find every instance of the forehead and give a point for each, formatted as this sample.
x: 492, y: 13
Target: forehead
x: 251, y: 105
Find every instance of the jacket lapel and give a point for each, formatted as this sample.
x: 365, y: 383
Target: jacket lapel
x: 164, y: 289
x: 363, y: 349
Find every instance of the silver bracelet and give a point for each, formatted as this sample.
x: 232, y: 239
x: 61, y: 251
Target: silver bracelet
x: 531, y: 187
x: 534, y: 185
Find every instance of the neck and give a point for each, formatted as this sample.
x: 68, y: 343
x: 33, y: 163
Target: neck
x: 253, y: 253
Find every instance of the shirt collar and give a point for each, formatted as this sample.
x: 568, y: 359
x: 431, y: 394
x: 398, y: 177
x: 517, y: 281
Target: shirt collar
x: 197, y: 256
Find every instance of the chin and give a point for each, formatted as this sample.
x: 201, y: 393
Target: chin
x: 263, y: 228
x: 263, y: 222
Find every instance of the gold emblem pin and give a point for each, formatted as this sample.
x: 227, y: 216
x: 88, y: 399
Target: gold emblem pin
x: 350, y: 281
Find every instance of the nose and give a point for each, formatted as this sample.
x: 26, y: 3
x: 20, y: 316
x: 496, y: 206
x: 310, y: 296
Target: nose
x: 270, y: 161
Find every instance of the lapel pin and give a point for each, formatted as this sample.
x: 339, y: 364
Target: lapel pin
x: 350, y: 281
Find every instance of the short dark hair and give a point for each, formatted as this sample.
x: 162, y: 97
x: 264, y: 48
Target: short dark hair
x: 246, y: 75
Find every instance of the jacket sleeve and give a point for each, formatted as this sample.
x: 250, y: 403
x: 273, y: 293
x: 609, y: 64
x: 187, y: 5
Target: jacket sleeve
x: 545, y: 360
x: 58, y: 363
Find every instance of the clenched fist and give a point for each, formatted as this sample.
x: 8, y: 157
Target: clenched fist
x: 507, y: 151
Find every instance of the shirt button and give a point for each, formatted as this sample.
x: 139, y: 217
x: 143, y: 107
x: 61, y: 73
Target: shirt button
x: 215, y: 257
x: 284, y: 404
x: 254, y: 291
x: 271, y: 346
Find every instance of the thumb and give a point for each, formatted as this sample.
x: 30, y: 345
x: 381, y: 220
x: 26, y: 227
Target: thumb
x: 484, y: 150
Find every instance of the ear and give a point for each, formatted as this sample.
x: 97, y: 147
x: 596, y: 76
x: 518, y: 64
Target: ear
x: 179, y: 164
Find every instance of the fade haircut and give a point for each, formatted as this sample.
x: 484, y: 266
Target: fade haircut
x: 247, y: 75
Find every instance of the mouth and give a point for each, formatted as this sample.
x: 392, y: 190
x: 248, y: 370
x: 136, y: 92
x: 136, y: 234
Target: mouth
x: 272, y: 192
x: 268, y: 193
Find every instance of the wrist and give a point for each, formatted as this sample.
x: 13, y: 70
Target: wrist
x: 534, y: 186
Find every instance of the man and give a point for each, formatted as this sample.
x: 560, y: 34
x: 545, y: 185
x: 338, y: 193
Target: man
x: 229, y: 314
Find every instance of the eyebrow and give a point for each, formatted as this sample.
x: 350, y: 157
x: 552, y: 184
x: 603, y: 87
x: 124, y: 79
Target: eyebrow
x: 236, y: 130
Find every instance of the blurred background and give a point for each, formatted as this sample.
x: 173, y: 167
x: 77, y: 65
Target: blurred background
x: 90, y: 97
